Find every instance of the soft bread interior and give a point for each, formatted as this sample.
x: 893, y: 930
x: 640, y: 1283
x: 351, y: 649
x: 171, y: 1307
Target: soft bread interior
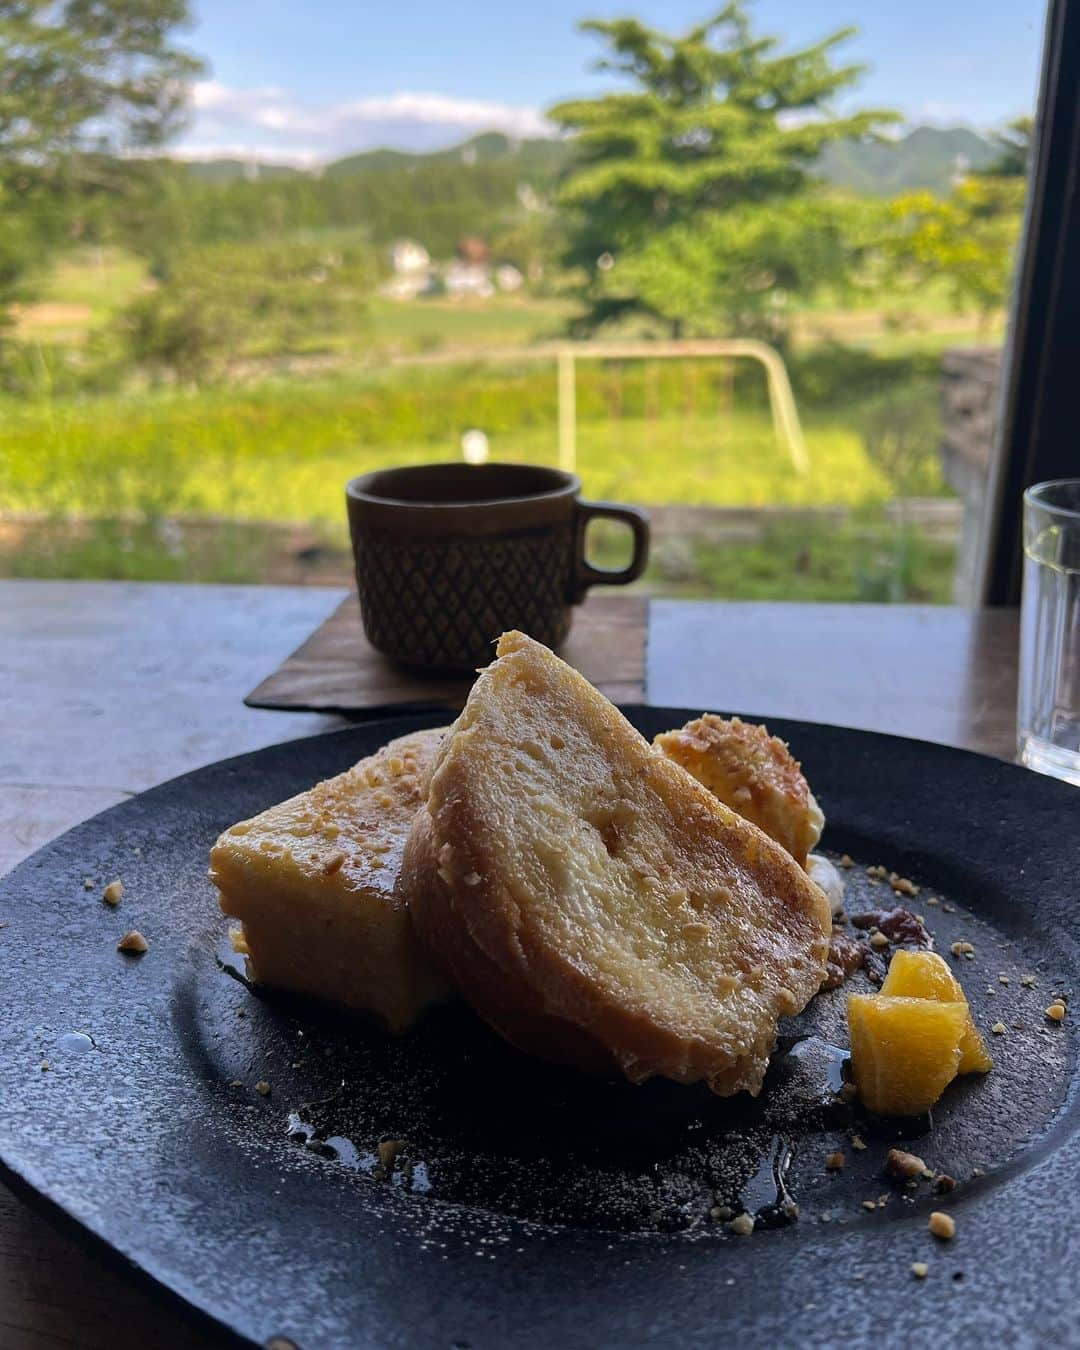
x: 313, y: 880
x: 593, y: 892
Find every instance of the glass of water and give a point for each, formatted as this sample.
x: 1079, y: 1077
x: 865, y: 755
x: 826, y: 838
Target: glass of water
x: 1048, y: 712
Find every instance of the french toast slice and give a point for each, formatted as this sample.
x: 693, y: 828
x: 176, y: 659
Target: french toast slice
x: 593, y: 901
x: 312, y: 881
x: 753, y: 773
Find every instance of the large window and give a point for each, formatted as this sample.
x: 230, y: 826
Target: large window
x: 758, y: 287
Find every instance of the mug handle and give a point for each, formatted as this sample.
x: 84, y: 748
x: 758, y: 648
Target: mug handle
x: 585, y: 574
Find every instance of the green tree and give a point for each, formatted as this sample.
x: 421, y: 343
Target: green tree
x: 704, y: 171
x: 82, y: 82
x: 217, y: 303
x: 967, y: 240
x: 1014, y: 146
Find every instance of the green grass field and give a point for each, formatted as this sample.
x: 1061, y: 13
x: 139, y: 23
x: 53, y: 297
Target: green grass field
x: 82, y: 292
x: 78, y: 294
x: 283, y: 449
x: 280, y: 448
x: 438, y: 324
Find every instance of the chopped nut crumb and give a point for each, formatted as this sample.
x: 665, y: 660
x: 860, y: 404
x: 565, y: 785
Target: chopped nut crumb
x: 869, y: 1204
x: 920, y: 1269
x: 1027, y: 981
x: 1003, y: 978
x: 742, y: 1224
x: 236, y: 1083
x: 133, y: 942
x: 942, y: 1225
x: 943, y: 1183
x: 836, y: 1162
x: 962, y: 949
x: 999, y: 1028
x: 878, y: 940
x: 388, y: 1151
x: 932, y: 900
x: 903, y: 1166
x: 88, y: 884
x: 857, y: 1142
x: 262, y: 1087
x: 113, y: 892
x: 1056, y: 1012
x: 724, y: 1212
x: 903, y: 885
x: 44, y: 1066
x: 333, y: 864
x: 846, y: 860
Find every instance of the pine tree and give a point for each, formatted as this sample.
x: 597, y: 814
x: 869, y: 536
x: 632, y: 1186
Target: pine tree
x: 713, y: 148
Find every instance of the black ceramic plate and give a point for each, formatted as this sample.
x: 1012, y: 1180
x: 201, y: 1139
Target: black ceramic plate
x: 525, y: 1205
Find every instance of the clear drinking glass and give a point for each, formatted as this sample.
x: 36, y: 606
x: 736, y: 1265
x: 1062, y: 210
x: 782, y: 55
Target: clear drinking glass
x: 1048, y: 711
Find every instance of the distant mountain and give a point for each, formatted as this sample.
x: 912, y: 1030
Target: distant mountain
x: 538, y: 159
x: 926, y: 157
x: 229, y: 170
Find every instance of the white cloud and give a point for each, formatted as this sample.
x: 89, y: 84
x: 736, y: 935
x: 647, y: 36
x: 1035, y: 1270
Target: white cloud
x: 299, y: 157
x: 938, y: 111
x: 269, y: 121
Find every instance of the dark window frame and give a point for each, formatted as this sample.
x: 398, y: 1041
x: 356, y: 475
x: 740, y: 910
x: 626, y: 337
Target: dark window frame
x: 1039, y: 424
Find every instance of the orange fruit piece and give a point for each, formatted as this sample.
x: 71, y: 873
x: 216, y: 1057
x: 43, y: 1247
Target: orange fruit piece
x: 926, y: 975
x: 904, y: 1051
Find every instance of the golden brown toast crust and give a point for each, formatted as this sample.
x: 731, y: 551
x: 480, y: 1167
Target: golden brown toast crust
x: 753, y: 773
x: 587, y: 892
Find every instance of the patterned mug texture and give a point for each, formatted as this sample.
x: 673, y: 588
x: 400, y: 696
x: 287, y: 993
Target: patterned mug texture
x: 448, y: 556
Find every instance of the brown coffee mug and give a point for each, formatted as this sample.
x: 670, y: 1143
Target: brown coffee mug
x: 448, y: 556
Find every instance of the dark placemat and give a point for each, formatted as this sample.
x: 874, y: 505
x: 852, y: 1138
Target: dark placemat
x: 337, y: 669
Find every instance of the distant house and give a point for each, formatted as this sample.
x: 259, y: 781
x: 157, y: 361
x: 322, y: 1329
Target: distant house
x: 468, y: 278
x: 412, y: 271
x: 408, y: 257
x: 472, y: 249
x: 470, y: 273
x: 508, y: 278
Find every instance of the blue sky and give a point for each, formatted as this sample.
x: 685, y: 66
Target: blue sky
x: 311, y: 80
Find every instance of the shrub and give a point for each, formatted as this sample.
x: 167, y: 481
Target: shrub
x: 901, y: 431
x: 214, y: 304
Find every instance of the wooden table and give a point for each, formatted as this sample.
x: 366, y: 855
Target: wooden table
x: 107, y: 688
